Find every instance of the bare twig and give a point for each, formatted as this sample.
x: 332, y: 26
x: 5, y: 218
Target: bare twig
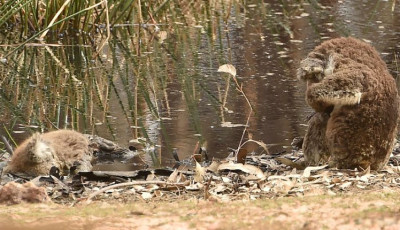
x: 7, y: 144
x: 240, y: 89
x: 228, y: 68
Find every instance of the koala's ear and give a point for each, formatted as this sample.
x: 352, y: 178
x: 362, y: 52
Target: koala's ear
x: 300, y: 74
x: 33, y: 140
x: 330, y: 65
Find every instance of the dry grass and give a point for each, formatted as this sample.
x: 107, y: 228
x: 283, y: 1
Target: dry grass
x: 367, y: 210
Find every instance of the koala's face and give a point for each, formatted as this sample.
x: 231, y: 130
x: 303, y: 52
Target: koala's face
x: 39, y: 151
x: 311, y: 70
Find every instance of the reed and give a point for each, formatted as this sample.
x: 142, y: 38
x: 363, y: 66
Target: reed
x: 119, y: 90
x: 84, y: 16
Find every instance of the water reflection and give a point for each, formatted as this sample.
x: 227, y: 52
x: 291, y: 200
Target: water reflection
x: 168, y: 90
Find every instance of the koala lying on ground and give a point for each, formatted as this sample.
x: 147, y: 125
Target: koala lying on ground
x: 62, y: 149
x: 356, y: 104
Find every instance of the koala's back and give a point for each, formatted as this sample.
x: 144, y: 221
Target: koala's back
x: 69, y: 145
x: 64, y: 148
x: 350, y: 49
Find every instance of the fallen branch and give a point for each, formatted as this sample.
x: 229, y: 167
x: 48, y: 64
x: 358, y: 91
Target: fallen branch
x: 91, y: 196
x: 7, y: 145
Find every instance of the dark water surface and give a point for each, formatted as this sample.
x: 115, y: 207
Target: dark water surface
x: 171, y: 94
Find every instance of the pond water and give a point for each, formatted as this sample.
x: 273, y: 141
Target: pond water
x: 164, y: 85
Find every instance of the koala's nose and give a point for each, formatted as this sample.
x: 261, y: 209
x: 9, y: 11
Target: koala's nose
x: 316, y: 69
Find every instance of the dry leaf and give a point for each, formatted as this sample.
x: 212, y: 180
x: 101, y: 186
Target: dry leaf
x: 365, y: 172
x: 158, y: 193
x: 138, y: 188
x: 282, y: 186
x: 227, y: 68
x: 181, y: 177
x: 250, y: 177
x: 147, y: 195
x: 360, y: 186
x: 194, y: 187
x: 151, y: 176
x: 197, y: 157
x: 226, y: 180
x: 173, y: 177
x: 345, y: 185
x: 290, y: 163
x: 241, y: 156
x: 151, y: 187
x: 307, y: 171
x: 220, y: 188
x: 363, y: 178
x: 250, y: 169
x: 214, y: 166
x: 199, y: 173
x: 266, y: 189
x: 391, y: 169
x: 260, y: 143
x: 277, y: 177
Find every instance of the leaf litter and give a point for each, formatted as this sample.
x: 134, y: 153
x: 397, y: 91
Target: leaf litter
x: 238, y: 177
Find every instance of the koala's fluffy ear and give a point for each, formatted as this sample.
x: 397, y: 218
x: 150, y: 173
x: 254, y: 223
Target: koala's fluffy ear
x: 36, y: 137
x: 330, y: 65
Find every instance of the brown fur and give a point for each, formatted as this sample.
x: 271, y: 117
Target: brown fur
x: 315, y: 140
x: 62, y: 149
x: 357, y: 105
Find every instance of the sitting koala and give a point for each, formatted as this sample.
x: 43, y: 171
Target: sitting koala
x: 356, y: 104
x: 41, y: 152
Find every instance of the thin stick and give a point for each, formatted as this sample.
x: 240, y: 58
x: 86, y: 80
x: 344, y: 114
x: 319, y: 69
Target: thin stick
x: 7, y: 145
x: 91, y: 196
x: 102, y: 44
x: 240, y: 89
x: 244, y: 131
x: 393, y: 5
x: 10, y: 137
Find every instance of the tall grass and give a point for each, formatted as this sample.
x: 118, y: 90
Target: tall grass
x: 122, y: 90
x: 36, y: 15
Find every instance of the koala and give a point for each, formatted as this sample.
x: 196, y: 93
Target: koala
x: 356, y: 103
x: 62, y: 149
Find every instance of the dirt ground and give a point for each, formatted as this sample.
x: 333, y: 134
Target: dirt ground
x: 365, y: 210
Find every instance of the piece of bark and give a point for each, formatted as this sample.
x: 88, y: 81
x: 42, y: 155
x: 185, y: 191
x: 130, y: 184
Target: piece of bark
x: 14, y: 193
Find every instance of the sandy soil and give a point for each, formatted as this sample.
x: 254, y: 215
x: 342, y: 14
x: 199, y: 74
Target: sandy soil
x: 366, y: 210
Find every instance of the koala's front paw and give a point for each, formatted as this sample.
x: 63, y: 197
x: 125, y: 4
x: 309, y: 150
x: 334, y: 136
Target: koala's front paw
x: 318, y: 96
